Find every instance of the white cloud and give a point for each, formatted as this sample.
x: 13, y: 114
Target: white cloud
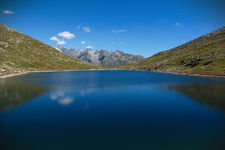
x: 62, y: 42
x: 82, y: 42
x: 54, y: 38
x: 59, y: 42
x: 8, y: 12
x: 177, y: 24
x: 120, y: 30
x: 66, y: 35
x: 78, y: 27
x: 89, y: 47
x: 86, y: 29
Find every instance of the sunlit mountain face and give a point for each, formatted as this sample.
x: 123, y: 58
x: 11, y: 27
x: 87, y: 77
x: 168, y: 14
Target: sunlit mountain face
x: 102, y: 57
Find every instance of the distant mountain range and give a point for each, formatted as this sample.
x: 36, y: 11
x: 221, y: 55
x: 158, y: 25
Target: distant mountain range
x: 102, y: 57
x: 204, y: 55
x: 20, y: 52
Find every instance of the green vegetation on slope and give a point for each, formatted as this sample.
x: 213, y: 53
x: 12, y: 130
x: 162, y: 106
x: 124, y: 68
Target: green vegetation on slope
x: 19, y: 53
x: 204, y: 55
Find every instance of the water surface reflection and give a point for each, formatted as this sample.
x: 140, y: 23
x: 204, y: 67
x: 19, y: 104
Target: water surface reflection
x: 122, y: 110
x: 14, y: 93
x: 212, y: 95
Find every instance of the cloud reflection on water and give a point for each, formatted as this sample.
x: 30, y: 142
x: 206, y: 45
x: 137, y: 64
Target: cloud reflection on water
x: 61, y: 98
x: 66, y: 101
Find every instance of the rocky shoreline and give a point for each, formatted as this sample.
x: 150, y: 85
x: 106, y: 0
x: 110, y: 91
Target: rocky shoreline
x: 193, y: 74
x: 187, y: 74
x: 26, y: 72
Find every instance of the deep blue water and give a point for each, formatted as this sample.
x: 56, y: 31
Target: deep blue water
x: 112, y: 110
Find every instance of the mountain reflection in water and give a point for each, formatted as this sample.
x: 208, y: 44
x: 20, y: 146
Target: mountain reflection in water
x: 212, y: 95
x: 14, y: 93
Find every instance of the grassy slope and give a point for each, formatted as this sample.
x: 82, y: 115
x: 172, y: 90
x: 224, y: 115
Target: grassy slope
x: 204, y: 55
x: 19, y: 52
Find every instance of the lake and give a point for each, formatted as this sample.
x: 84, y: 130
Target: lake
x: 112, y: 110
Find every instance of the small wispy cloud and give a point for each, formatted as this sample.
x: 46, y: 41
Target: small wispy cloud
x: 54, y: 38
x: 117, y: 42
x: 120, y: 30
x: 86, y: 29
x: 82, y: 42
x: 89, y: 47
x: 177, y: 24
x: 66, y: 35
x: 78, y: 27
x: 8, y: 12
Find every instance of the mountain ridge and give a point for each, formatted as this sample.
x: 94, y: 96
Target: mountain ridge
x: 101, y: 57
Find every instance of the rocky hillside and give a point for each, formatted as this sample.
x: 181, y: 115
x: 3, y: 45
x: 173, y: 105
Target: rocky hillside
x: 103, y: 57
x: 204, y: 55
x: 19, y: 53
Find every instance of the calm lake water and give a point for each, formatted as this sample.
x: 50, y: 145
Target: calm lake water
x: 111, y: 110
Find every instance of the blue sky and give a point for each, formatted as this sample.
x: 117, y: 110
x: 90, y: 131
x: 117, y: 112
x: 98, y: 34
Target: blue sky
x: 142, y: 27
